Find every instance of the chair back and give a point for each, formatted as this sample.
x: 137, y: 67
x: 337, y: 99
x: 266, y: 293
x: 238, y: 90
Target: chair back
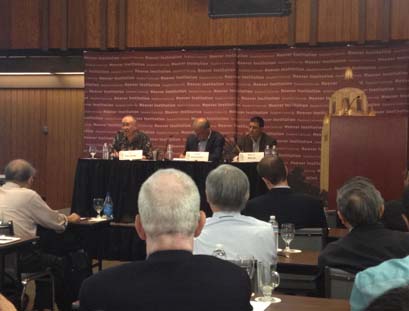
x: 308, y: 239
x: 7, y: 228
x: 338, y: 283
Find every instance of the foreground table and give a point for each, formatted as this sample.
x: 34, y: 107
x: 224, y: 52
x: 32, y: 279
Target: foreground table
x: 301, y: 303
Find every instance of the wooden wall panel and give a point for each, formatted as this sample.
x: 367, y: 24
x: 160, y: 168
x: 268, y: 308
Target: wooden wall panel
x: 185, y: 23
x: 76, y: 24
x: 23, y: 113
x: 5, y: 23
x: 374, y: 9
x: 399, y: 20
x: 302, y: 22
x: 93, y: 23
x: 112, y: 23
x: 55, y: 25
x: 22, y: 116
x: 64, y: 141
x: 338, y: 21
x: 26, y: 21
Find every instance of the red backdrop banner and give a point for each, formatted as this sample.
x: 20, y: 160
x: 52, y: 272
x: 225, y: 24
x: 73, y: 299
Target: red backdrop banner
x: 289, y: 88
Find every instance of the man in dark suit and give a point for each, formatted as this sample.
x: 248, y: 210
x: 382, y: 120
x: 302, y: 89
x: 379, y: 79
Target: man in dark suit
x: 205, y: 139
x: 171, y: 278
x: 255, y: 140
x: 369, y: 243
x: 289, y: 207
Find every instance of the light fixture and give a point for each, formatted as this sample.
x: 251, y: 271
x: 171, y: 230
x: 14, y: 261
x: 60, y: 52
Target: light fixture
x: 348, y: 75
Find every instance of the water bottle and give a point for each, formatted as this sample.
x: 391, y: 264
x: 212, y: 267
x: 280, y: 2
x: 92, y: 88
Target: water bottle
x: 267, y: 151
x: 274, y: 151
x: 219, y: 252
x: 105, y: 151
x: 169, y: 152
x: 108, y: 206
x: 274, y: 225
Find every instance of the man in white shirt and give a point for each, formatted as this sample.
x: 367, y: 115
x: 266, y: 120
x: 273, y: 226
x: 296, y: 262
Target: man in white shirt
x: 227, y: 191
x: 27, y: 209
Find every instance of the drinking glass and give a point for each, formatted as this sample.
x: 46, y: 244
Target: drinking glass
x: 92, y: 151
x: 287, y: 234
x: 98, y: 204
x: 247, y: 263
x: 267, y: 280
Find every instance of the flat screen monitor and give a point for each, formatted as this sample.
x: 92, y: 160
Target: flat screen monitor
x: 245, y: 8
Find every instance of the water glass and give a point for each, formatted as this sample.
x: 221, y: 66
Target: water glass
x: 267, y: 280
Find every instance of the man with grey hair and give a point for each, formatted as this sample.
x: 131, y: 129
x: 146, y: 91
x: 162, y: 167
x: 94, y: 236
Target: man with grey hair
x: 171, y: 277
x: 27, y: 210
x: 227, y: 191
x: 369, y: 243
x: 205, y: 139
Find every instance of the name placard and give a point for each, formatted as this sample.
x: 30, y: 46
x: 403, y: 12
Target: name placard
x: 197, y: 156
x: 130, y: 155
x: 250, y: 156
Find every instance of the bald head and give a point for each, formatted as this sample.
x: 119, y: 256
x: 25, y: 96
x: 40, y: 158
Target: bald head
x: 201, y: 127
x: 169, y: 203
x: 19, y: 171
x: 129, y: 126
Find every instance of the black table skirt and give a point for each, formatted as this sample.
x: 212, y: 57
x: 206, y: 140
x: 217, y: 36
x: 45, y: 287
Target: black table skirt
x: 123, y: 179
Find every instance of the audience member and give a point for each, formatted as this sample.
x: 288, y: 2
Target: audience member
x: 288, y: 206
x: 396, y: 299
x: 375, y: 281
x: 171, y: 278
x: 394, y: 216
x: 255, y: 139
x: 6, y: 305
x: 27, y: 210
x: 227, y: 191
x: 369, y: 243
x: 130, y: 138
x: 205, y: 139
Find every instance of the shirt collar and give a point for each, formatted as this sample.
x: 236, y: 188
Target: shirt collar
x: 223, y: 214
x: 11, y: 185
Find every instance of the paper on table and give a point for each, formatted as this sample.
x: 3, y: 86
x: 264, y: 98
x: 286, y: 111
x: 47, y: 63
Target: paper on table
x: 97, y: 219
x: 259, y: 305
x: 8, y: 239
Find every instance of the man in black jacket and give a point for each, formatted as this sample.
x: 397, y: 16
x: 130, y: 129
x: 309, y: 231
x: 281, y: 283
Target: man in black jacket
x: 369, y: 243
x: 303, y: 210
x: 205, y: 139
x: 171, y: 278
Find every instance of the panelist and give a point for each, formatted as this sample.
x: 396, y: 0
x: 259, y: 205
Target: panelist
x: 205, y: 139
x: 130, y: 138
x: 255, y: 139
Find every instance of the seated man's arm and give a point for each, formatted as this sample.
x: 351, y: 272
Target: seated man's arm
x: 217, y: 152
x: 44, y: 216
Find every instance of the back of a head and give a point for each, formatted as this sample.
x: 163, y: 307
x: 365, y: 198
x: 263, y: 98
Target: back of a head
x: 169, y: 203
x: 227, y: 188
x: 359, y: 202
x: 396, y: 299
x: 273, y: 169
x: 19, y: 171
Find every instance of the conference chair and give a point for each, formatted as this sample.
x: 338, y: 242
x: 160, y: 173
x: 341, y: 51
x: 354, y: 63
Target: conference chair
x: 338, y: 283
x: 21, y: 280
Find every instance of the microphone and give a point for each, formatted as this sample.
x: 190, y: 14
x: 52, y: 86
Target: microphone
x: 233, y: 145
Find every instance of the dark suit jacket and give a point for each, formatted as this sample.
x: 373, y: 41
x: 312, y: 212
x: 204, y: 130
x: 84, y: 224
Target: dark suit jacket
x: 364, y: 247
x: 169, y: 280
x: 245, y: 143
x: 303, y: 210
x: 214, y: 145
